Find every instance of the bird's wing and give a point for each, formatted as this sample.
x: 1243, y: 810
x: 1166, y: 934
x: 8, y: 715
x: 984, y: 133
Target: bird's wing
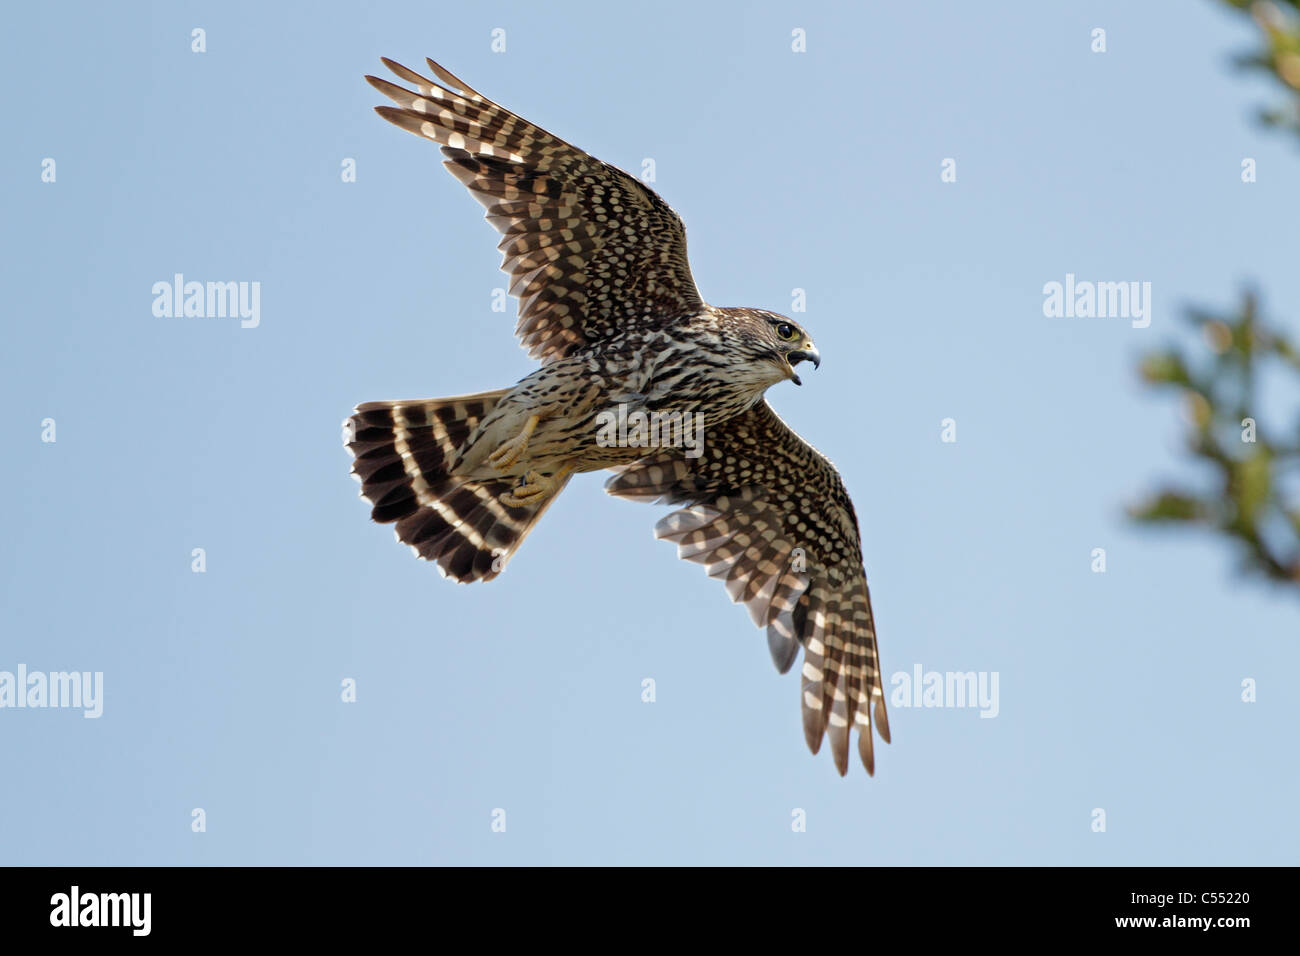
x: 589, y: 248
x: 768, y: 514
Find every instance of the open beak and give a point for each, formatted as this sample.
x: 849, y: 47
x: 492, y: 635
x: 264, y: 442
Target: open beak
x: 808, y: 353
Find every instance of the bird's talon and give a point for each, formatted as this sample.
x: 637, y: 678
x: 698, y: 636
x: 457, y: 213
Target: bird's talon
x: 511, y: 451
x: 532, y: 488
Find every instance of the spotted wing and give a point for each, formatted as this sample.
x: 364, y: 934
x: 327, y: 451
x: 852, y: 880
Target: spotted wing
x: 589, y: 248
x: 768, y: 515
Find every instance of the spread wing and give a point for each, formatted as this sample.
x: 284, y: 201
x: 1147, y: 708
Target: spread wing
x: 589, y: 248
x: 768, y: 515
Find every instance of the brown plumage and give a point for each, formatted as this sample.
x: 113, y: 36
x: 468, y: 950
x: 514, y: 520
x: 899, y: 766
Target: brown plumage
x: 607, y: 304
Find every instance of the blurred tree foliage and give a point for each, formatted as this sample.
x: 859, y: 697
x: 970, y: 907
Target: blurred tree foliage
x: 1254, y: 498
x: 1279, y: 26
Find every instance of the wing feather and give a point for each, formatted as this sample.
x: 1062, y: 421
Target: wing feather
x: 785, y: 541
x: 590, y: 250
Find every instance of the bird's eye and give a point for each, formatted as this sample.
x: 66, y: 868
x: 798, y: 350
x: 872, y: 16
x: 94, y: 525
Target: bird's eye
x: 785, y: 330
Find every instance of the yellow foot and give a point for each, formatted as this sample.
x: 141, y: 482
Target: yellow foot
x: 509, y: 452
x: 532, y: 488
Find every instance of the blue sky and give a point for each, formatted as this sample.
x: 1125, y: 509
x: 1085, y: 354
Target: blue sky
x: 817, y: 171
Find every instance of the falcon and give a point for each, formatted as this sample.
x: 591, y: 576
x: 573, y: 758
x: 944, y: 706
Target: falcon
x: 609, y: 309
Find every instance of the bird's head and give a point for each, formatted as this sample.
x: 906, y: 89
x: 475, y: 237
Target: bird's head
x: 775, y: 345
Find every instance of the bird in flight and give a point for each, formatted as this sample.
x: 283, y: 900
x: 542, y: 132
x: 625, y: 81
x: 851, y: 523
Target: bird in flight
x: 609, y: 309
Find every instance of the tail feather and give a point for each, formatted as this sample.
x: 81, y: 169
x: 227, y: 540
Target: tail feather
x: 403, y: 453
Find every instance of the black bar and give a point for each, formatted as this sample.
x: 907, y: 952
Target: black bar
x: 369, y: 904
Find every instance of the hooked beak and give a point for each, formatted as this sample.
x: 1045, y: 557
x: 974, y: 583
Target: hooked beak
x: 808, y: 353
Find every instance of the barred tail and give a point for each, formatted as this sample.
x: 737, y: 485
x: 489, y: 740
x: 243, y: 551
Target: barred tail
x: 402, y: 451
